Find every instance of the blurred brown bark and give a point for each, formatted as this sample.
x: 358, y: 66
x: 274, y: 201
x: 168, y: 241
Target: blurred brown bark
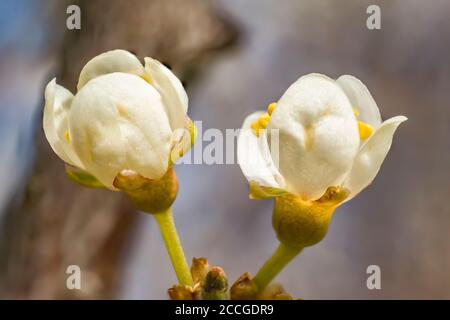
x: 57, y: 224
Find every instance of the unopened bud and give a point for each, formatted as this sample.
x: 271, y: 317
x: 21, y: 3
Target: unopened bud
x: 199, y: 269
x: 244, y: 288
x: 215, y: 285
x: 179, y: 292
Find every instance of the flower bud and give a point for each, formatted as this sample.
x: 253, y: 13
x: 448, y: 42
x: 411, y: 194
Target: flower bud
x: 199, y: 269
x: 179, y: 292
x: 215, y: 285
x: 124, y: 116
x: 244, y: 288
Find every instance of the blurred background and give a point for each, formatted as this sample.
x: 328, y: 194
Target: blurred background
x: 235, y: 57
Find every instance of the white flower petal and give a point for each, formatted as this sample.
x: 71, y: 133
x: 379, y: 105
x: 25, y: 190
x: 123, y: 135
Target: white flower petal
x: 173, y: 95
x: 58, y: 101
x: 118, y: 122
x: 361, y: 99
x: 254, y: 157
x: 109, y: 62
x: 318, y: 137
x: 371, y: 155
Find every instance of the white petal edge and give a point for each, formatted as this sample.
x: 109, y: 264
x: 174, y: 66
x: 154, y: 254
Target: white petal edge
x: 109, y: 62
x: 174, y: 96
x: 361, y: 99
x: 371, y: 156
x: 55, y: 122
x: 254, y: 157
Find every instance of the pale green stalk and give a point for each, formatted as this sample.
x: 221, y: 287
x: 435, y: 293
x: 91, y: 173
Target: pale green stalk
x: 279, y: 259
x: 173, y: 246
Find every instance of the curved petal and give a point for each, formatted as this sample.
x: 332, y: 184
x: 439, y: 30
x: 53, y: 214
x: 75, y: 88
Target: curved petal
x: 182, y: 140
x: 254, y: 156
x: 174, y: 96
x: 109, y: 62
x: 318, y: 135
x: 361, y: 99
x: 117, y: 122
x: 58, y: 102
x: 371, y: 155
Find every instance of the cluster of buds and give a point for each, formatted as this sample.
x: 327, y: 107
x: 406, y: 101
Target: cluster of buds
x: 210, y: 283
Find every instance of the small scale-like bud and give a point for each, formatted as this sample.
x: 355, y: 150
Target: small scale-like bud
x: 300, y: 223
x: 199, y: 269
x: 179, y: 292
x: 215, y: 285
x: 244, y: 288
x: 151, y: 196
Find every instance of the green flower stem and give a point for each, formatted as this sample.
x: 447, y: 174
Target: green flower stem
x: 279, y: 259
x: 173, y: 246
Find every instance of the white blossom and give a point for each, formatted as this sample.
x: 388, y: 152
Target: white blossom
x: 124, y: 116
x: 329, y: 133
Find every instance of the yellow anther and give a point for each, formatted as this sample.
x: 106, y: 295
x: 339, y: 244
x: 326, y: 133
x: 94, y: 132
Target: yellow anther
x: 263, y: 121
x: 365, y: 130
x: 271, y: 107
x: 255, y: 128
x: 67, y: 136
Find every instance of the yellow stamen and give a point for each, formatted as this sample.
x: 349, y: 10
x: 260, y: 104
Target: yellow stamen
x: 255, y: 128
x: 67, y: 136
x: 271, y: 107
x: 263, y: 121
x: 365, y: 130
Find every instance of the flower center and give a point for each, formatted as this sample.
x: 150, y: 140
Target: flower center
x: 263, y: 121
x: 365, y: 129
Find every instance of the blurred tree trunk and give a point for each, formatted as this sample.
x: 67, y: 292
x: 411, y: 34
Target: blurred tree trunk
x: 57, y: 223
